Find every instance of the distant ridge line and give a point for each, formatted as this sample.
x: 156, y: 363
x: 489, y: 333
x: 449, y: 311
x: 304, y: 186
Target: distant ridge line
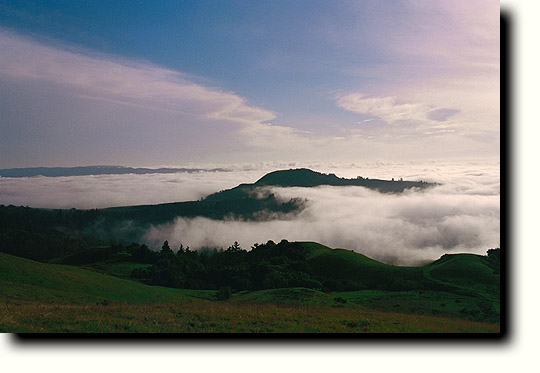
x: 97, y: 170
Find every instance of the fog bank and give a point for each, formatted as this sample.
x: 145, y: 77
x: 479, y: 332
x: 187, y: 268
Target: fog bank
x: 462, y: 215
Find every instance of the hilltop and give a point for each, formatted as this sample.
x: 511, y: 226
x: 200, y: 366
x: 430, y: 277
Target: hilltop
x: 303, y: 177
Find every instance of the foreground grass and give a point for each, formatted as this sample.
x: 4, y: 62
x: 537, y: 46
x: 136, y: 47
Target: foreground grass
x: 22, y: 316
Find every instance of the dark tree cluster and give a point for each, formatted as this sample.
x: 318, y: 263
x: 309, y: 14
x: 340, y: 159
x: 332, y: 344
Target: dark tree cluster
x: 265, y: 266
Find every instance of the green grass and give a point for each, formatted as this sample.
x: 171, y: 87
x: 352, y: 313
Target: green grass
x: 467, y: 271
x: 424, y: 302
x: 26, y: 279
x: 122, y: 269
x: 290, y: 296
x: 38, y: 297
x: 363, y: 272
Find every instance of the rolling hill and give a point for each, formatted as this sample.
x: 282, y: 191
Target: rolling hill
x: 54, y: 297
x: 26, y: 279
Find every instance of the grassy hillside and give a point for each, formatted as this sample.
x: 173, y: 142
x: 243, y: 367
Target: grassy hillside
x: 362, y: 272
x: 40, y: 297
x: 26, y: 279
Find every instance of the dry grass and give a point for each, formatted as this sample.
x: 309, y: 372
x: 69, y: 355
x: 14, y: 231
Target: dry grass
x: 216, y: 317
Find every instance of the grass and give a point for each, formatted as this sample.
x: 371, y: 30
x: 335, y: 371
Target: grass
x: 38, y: 297
x: 424, y: 302
x: 219, y: 317
x: 289, y: 296
x: 26, y: 279
x: 122, y: 269
x: 364, y: 272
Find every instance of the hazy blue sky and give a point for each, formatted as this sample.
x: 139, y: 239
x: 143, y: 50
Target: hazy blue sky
x: 152, y: 83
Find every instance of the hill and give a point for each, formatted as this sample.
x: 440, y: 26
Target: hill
x: 44, y: 234
x: 50, y: 297
x: 26, y: 279
x: 307, y: 178
x: 304, y: 177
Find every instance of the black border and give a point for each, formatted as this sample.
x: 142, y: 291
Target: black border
x: 506, y: 87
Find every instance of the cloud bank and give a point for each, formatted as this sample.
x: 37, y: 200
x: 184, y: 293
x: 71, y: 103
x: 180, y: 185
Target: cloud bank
x: 463, y: 215
x: 101, y: 191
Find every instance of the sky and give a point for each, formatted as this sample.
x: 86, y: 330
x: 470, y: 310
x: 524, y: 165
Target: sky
x: 150, y: 84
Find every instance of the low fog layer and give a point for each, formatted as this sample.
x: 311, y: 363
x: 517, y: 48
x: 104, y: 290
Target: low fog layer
x: 100, y: 191
x: 462, y: 215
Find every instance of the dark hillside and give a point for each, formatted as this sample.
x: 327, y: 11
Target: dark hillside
x: 304, y: 177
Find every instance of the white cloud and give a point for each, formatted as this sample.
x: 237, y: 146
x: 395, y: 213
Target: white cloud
x: 462, y: 215
x: 100, y: 191
x: 385, y: 108
x: 122, y: 81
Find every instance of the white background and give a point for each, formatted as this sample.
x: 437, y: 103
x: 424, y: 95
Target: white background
x: 518, y: 353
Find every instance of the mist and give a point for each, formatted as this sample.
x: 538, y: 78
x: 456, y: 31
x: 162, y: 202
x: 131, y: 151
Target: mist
x: 461, y: 215
x: 101, y: 191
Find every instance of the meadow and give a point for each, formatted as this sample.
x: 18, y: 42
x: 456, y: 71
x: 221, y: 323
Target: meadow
x: 53, y: 298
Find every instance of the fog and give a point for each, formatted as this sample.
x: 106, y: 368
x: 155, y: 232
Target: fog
x: 99, y: 191
x: 460, y: 215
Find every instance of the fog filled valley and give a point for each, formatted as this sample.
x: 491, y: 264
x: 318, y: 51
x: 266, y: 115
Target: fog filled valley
x: 460, y: 214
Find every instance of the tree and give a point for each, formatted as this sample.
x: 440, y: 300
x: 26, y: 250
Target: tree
x: 165, y: 249
x: 235, y: 247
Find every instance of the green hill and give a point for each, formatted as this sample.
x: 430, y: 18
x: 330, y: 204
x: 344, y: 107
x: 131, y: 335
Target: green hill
x: 292, y: 296
x: 467, y: 271
x: 26, y: 279
x: 445, y: 288
x: 304, y: 177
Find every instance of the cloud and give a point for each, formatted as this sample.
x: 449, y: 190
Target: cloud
x: 440, y: 115
x: 121, y: 81
x: 101, y: 191
x: 387, y: 108
x: 63, y: 99
x: 463, y: 215
x: 67, y: 106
